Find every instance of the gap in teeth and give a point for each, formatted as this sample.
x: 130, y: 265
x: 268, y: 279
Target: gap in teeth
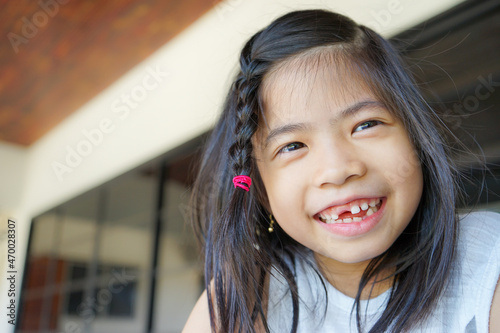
x: 370, y: 209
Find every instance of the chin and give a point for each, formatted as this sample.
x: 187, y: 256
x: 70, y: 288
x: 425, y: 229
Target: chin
x: 352, y: 256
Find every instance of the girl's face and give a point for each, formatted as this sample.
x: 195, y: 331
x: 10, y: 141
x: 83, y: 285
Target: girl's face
x: 339, y: 170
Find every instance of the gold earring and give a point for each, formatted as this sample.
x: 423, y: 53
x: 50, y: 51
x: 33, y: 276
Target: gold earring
x: 271, y: 223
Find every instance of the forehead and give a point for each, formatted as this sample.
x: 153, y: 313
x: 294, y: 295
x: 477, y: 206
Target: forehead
x: 324, y: 79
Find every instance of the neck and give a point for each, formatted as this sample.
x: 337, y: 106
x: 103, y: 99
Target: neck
x: 346, y: 277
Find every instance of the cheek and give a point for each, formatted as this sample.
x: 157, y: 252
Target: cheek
x: 408, y: 170
x: 283, y: 190
x: 404, y: 175
x: 399, y: 163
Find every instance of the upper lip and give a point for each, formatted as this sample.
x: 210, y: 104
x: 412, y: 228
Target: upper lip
x: 345, y: 201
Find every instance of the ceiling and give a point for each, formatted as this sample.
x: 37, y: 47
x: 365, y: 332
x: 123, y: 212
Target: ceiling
x: 58, y: 54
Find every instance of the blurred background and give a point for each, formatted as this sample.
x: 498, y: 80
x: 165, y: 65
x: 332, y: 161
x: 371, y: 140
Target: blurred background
x: 103, y: 108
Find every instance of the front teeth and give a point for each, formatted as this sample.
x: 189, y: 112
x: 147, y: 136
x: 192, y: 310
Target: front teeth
x: 355, y: 209
x: 364, y: 206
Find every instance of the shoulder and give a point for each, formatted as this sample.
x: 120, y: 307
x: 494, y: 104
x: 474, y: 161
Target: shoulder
x: 478, y: 218
x: 481, y: 229
x: 199, y: 319
x: 479, y: 245
x: 479, y: 252
x: 495, y: 310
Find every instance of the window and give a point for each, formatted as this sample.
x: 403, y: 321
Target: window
x: 119, y: 258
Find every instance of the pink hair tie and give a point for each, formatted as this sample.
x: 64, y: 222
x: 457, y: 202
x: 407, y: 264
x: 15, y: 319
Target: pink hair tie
x: 242, y: 181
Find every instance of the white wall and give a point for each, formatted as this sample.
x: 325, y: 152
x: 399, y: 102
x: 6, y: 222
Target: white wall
x: 168, y: 110
x: 13, y: 166
x: 13, y: 162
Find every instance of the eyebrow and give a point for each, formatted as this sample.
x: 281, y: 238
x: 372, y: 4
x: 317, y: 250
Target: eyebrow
x: 297, y: 127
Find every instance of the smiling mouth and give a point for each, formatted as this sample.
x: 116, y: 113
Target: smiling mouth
x: 355, y: 211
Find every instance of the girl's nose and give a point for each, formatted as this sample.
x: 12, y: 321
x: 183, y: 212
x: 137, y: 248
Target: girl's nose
x: 336, y: 164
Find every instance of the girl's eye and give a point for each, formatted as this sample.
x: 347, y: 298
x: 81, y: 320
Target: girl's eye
x: 291, y: 147
x: 367, y: 124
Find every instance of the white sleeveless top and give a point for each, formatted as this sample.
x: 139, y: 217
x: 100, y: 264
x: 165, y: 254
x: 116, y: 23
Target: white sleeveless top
x: 465, y: 306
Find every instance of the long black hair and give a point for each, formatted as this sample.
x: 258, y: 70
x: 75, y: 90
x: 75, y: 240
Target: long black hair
x: 232, y: 224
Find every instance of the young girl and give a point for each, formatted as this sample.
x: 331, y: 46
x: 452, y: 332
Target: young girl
x: 326, y: 198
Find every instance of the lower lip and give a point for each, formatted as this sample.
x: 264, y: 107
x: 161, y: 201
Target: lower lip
x: 354, y: 229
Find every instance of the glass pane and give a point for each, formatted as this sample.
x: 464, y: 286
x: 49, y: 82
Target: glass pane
x: 76, y: 251
x: 61, y: 250
x: 39, y: 280
x: 179, y: 279
x: 125, y: 245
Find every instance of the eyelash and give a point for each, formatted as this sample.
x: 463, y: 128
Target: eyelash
x: 282, y: 150
x: 372, y: 122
